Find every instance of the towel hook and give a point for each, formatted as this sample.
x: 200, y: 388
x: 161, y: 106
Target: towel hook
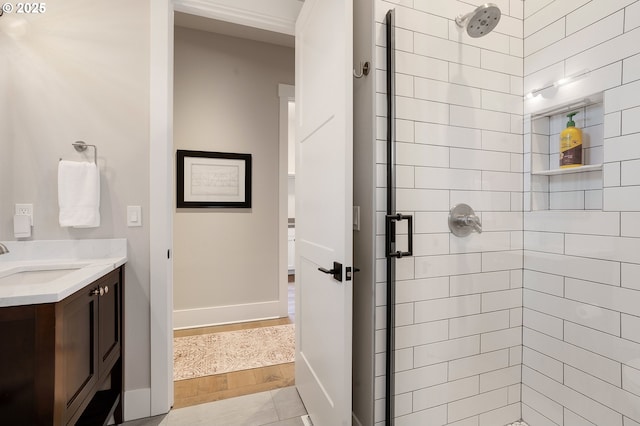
x: 81, y: 146
x: 363, y: 71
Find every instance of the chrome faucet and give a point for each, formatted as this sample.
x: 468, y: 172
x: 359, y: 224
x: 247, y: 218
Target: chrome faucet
x: 3, y: 249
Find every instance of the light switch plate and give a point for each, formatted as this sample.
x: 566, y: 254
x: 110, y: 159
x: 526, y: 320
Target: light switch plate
x: 134, y: 216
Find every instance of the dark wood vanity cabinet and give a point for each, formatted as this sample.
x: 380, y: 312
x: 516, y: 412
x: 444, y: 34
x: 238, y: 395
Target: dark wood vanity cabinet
x: 61, y: 363
x: 91, y: 338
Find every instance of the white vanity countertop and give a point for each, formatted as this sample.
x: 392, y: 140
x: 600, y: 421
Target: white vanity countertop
x: 84, y: 261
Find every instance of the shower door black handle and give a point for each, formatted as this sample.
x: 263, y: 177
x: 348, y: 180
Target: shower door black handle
x: 336, y: 271
x: 390, y: 225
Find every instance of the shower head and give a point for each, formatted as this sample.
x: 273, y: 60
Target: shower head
x: 481, y: 21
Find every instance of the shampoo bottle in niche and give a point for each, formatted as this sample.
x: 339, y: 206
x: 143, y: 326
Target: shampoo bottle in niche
x: 571, y: 145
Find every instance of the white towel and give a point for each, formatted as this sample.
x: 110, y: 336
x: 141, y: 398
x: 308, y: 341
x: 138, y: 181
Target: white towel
x: 79, y: 194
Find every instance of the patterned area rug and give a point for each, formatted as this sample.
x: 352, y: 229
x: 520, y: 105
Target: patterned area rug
x: 217, y: 353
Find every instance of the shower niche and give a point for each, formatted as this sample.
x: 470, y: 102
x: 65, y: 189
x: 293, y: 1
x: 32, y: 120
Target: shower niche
x: 546, y: 185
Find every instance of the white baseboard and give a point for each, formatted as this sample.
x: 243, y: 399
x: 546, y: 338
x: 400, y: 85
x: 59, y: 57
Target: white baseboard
x: 137, y: 404
x: 216, y: 315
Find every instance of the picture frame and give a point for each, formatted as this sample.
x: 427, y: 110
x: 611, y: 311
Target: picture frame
x: 213, y: 179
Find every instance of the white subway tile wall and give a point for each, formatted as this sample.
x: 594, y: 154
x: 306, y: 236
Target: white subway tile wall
x: 459, y: 130
x: 537, y: 318
x: 581, y: 296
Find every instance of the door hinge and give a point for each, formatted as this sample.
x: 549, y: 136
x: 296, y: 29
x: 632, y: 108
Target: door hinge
x: 356, y: 218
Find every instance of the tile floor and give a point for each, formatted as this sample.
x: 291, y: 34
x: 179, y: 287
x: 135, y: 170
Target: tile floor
x: 278, y: 407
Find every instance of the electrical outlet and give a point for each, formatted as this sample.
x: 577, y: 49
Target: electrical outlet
x: 25, y: 209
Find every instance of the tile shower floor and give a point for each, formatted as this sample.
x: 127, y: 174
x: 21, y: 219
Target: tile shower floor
x: 278, y: 407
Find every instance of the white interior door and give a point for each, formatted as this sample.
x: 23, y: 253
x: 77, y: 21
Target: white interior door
x: 324, y: 194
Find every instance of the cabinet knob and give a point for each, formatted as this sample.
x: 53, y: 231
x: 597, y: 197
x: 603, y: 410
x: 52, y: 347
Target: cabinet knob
x: 106, y: 289
x: 98, y: 291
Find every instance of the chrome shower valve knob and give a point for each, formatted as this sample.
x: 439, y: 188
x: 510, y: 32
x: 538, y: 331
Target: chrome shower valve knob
x: 463, y: 221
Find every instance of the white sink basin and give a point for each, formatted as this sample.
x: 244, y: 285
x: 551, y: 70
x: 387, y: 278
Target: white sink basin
x: 38, y: 274
x: 34, y: 277
x: 47, y: 271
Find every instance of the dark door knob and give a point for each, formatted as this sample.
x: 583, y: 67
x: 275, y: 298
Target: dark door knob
x: 336, y: 271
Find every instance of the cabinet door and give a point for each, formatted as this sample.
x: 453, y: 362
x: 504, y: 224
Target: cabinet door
x: 17, y: 365
x: 79, y: 339
x: 109, y: 324
x: 27, y: 367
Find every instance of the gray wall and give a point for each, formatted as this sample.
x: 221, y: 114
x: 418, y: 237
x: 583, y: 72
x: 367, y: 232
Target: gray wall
x: 226, y: 99
x: 364, y: 239
x: 6, y: 148
x: 81, y: 72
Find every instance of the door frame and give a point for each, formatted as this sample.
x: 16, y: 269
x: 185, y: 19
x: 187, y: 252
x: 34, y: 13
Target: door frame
x: 286, y: 93
x: 162, y: 174
x: 161, y: 205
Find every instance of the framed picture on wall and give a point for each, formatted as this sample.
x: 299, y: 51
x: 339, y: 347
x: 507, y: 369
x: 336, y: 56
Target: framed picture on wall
x: 213, y: 179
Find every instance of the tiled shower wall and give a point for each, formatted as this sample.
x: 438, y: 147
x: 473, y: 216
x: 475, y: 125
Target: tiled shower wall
x: 458, y: 300
x: 459, y: 132
x: 581, y: 338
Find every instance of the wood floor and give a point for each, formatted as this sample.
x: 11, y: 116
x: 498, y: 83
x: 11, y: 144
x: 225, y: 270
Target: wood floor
x: 221, y: 386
